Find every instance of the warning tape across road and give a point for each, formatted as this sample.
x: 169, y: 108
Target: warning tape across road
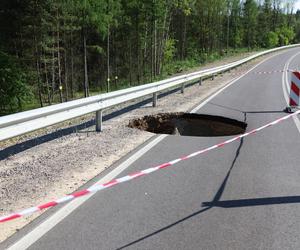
x: 272, y: 71
x: 265, y: 72
x: 97, y: 187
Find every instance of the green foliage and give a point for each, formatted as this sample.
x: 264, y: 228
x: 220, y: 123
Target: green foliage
x: 14, y: 91
x: 272, y: 39
x: 78, y: 44
x: 250, y: 22
x: 286, y: 35
x: 170, y: 50
x: 97, y: 49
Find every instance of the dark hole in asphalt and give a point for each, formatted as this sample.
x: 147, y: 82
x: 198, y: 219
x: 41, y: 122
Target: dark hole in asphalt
x: 187, y: 124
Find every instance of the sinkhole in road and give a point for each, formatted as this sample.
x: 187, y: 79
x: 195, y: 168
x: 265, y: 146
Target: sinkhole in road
x: 188, y: 124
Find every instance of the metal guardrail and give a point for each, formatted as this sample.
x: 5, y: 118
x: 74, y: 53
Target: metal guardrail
x: 28, y: 121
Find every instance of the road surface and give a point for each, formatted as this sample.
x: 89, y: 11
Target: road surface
x: 245, y: 195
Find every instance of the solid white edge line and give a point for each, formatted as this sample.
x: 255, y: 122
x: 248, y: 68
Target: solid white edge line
x: 34, y: 235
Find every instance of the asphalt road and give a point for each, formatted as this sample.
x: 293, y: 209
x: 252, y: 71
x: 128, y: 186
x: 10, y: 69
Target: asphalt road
x: 245, y: 195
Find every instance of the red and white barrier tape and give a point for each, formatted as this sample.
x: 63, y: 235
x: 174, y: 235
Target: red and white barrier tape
x: 266, y: 72
x: 98, y: 187
x: 271, y: 72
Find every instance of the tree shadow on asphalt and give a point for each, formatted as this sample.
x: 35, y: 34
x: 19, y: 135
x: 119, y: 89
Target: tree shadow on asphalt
x: 215, y: 200
x: 253, y: 202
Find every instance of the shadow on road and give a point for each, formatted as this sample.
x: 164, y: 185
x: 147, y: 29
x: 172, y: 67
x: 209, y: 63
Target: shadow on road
x: 215, y: 200
x: 164, y: 228
x: 253, y: 202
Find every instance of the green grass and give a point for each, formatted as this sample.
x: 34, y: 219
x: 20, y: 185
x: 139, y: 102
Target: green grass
x: 193, y: 63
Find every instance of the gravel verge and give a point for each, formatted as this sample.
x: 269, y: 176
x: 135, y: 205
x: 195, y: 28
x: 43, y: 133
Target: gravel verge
x: 48, y: 163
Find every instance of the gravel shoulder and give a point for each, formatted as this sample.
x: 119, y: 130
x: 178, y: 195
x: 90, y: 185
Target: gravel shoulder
x: 48, y: 169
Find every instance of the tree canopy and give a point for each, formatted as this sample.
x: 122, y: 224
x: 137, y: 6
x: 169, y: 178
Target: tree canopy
x: 57, y: 50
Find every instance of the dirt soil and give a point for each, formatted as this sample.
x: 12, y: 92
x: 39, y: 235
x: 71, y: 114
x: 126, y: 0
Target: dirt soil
x: 162, y: 123
x: 48, y: 163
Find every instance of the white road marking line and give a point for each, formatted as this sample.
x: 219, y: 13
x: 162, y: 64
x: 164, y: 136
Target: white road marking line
x: 31, y: 237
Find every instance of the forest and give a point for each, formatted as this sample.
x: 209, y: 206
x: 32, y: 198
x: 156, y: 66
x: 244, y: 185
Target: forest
x: 53, y: 51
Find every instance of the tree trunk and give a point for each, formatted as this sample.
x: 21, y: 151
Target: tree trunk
x: 145, y: 51
x: 58, y: 58
x: 155, y: 48
x: 130, y: 63
x: 72, y: 69
x: 53, y: 73
x: 86, y: 84
x: 108, y: 62
x: 164, y: 38
x: 47, y: 80
x: 66, y: 77
x: 37, y: 67
x: 183, y: 42
x: 66, y: 66
x: 39, y: 83
x: 137, y: 23
x: 152, y: 48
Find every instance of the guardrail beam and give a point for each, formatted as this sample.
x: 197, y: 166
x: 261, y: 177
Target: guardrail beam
x: 28, y: 121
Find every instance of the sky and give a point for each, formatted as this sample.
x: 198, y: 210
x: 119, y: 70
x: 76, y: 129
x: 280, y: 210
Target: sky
x: 297, y: 5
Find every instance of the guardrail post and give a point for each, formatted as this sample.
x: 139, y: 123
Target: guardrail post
x: 99, y: 120
x: 200, y: 81
x: 154, y: 101
x: 182, y: 88
x: 213, y: 77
